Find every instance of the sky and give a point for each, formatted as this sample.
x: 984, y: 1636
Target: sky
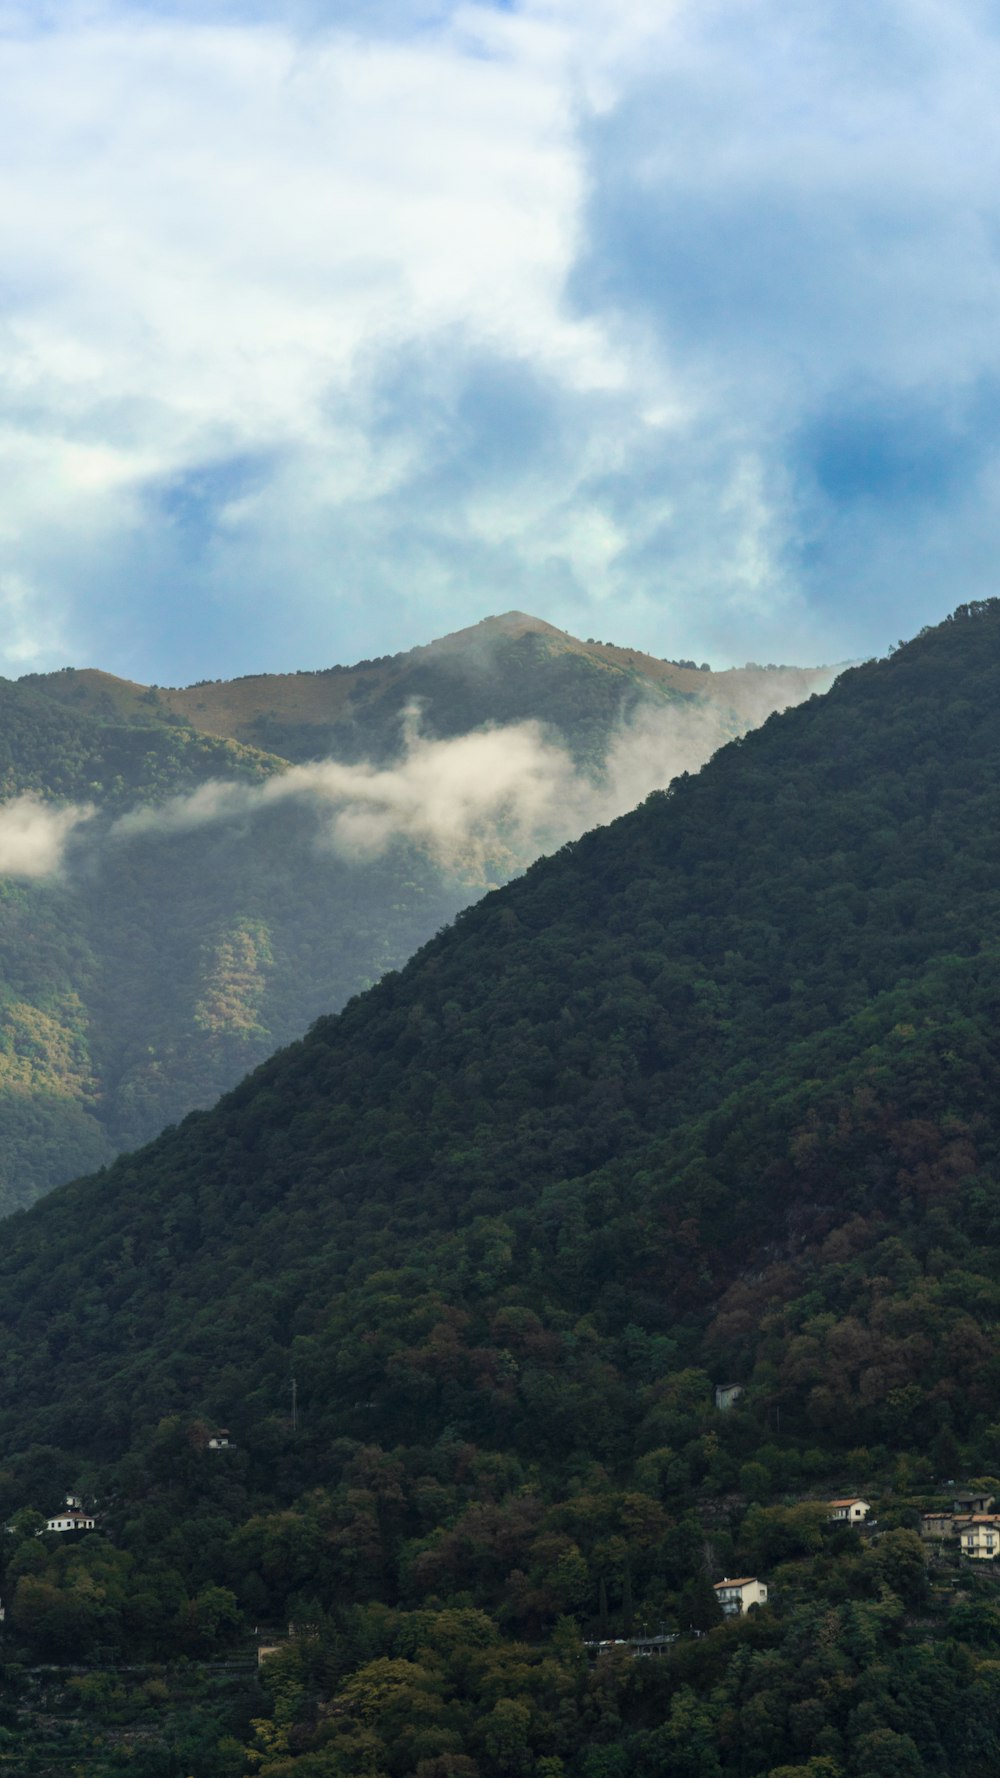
x: 329, y: 328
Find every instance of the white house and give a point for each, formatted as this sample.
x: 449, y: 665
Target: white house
x: 219, y: 1441
x: 849, y: 1512
x: 737, y: 1596
x: 71, y: 1518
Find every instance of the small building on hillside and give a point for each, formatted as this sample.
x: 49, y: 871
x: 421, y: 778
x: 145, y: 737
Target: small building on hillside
x: 971, y: 1521
x: 737, y: 1596
x: 853, y: 1511
x: 219, y: 1441
x: 71, y: 1518
x: 939, y: 1525
x: 640, y: 1646
x: 727, y: 1394
x: 979, y: 1536
x: 966, y: 1501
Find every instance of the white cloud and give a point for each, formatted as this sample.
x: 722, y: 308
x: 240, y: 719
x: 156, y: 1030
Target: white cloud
x: 213, y: 223
x: 489, y: 801
x: 496, y: 791
x: 29, y: 631
x: 230, y: 238
x: 34, y: 835
x: 223, y: 235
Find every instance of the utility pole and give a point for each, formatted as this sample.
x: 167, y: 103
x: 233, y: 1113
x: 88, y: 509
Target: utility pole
x: 295, y: 1406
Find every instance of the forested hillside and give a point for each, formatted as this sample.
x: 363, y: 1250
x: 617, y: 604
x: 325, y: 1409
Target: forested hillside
x: 175, y: 902
x: 710, y: 1096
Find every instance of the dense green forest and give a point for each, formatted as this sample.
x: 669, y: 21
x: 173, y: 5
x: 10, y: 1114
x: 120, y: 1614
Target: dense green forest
x: 165, y: 956
x: 710, y: 1096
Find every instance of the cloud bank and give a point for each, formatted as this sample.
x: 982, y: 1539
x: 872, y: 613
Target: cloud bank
x: 495, y: 790
x: 482, y: 804
x: 323, y: 324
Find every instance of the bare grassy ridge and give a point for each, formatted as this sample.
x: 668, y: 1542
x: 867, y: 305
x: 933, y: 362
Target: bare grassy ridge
x: 321, y: 699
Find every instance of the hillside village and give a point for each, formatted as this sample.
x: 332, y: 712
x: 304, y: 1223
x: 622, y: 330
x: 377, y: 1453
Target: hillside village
x: 969, y: 1526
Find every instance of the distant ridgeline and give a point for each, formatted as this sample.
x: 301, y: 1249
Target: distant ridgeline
x: 711, y: 1097
x: 177, y: 908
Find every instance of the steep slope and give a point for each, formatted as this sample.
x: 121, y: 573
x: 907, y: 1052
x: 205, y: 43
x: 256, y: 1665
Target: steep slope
x: 175, y: 940
x: 832, y: 867
x: 711, y: 1093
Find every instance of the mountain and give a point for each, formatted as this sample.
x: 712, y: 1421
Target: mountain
x: 506, y: 669
x: 709, y: 1096
x: 183, y: 887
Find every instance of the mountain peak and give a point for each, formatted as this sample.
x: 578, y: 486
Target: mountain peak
x: 505, y: 623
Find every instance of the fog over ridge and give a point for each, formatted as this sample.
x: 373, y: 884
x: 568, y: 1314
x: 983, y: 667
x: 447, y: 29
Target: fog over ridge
x: 500, y: 793
x: 479, y: 804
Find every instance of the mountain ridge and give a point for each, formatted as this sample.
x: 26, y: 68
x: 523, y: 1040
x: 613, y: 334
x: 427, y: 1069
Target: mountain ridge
x: 316, y: 708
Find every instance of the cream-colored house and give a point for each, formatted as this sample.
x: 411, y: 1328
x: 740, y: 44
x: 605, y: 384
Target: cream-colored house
x: 849, y: 1512
x: 979, y: 1536
x: 737, y: 1596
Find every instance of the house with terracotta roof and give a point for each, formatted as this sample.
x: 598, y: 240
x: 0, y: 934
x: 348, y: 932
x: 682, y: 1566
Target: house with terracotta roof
x: 852, y: 1511
x: 979, y: 1536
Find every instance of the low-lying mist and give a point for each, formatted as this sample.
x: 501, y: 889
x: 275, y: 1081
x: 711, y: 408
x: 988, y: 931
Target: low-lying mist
x: 496, y: 797
x: 481, y: 805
